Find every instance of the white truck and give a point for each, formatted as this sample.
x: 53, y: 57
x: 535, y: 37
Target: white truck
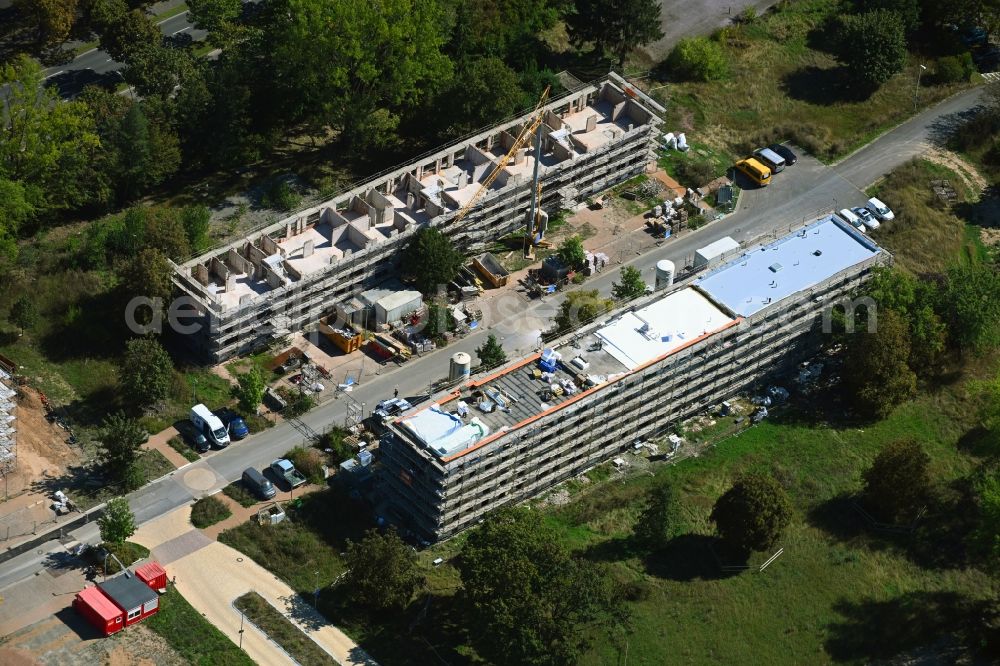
x: 210, y: 425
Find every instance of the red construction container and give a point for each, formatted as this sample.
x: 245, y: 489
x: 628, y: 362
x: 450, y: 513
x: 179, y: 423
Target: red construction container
x: 91, y: 603
x: 132, y: 596
x: 154, y: 575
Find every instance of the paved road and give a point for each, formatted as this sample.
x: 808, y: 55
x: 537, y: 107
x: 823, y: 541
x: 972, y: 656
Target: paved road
x: 796, y: 196
x: 97, y: 67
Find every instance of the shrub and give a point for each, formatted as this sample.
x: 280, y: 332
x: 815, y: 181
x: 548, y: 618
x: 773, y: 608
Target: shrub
x: 335, y: 440
x: 127, y: 552
x: 697, y: 59
x: 954, y: 69
x: 209, y: 511
x: 309, y: 462
x: 279, y: 195
x: 695, y: 173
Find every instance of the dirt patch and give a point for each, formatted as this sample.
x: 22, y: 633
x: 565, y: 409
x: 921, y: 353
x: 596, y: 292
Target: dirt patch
x: 72, y: 642
x: 990, y: 237
x: 42, y: 450
x: 12, y: 657
x: 966, y: 171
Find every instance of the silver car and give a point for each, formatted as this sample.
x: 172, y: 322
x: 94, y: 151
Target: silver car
x: 866, y: 217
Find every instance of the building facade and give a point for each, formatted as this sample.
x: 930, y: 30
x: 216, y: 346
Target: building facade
x: 291, y: 273
x: 507, y: 437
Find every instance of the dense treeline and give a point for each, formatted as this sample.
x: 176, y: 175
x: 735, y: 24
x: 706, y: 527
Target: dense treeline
x: 361, y: 78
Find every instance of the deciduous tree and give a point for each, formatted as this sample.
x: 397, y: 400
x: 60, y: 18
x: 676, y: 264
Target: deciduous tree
x: 15, y: 210
x: 876, y: 372
x: 580, y: 307
x: 121, y: 440
x: 873, y: 46
x: 662, y: 519
x: 631, y: 286
x: 986, y: 487
x: 698, y: 59
x: 530, y: 601
x: 505, y: 29
x: 382, y: 571
x: 616, y: 26
x: 431, y: 260
x: 571, y: 252
x: 971, y: 304
x: 53, y: 18
x: 898, y: 483
x: 117, y: 523
x: 23, y: 313
x: 438, y: 320
x: 486, y: 90
x: 249, y: 389
x: 491, y: 353
x: 753, y: 513
x: 124, y: 31
x: 147, y: 372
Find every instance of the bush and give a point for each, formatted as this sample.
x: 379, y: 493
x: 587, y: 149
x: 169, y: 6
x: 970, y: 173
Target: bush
x: 309, y: 462
x: 209, y: 511
x: 237, y: 492
x: 279, y: 195
x: 698, y: 59
x: 335, y: 440
x: 954, y: 69
x: 695, y: 173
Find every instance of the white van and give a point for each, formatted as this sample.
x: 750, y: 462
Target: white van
x: 771, y: 159
x: 848, y: 216
x: 880, y: 210
x: 210, y: 425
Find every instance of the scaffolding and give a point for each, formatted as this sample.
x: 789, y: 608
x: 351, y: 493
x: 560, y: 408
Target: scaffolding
x: 8, y: 418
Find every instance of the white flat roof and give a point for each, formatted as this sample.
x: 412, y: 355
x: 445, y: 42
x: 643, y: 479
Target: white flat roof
x: 638, y: 337
x: 719, y: 247
x: 444, y: 433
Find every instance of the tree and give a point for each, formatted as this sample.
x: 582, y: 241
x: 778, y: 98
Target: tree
x: 898, y: 483
x: 382, y: 59
x: 117, y: 523
x: 249, y: 389
x: 146, y: 275
x: 753, y: 513
x: 504, y: 29
x: 431, y: 260
x: 873, y: 46
x: 491, y: 353
x: 214, y: 15
x: 571, y: 252
x: 124, y: 32
x: 631, y: 286
x: 54, y: 18
x: 23, y: 313
x: 15, y: 210
x: 47, y: 145
x: 136, y: 159
x: 908, y: 10
x: 876, y: 370
x: 382, y: 571
x: 486, y: 90
x: 529, y: 601
x: 698, y: 59
x: 616, y: 27
x: 914, y: 301
x: 662, y: 519
x: 438, y: 320
x: 121, y: 439
x: 196, y: 221
x: 581, y: 307
x: 971, y: 304
x: 147, y: 372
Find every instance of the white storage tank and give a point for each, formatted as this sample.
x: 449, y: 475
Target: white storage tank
x: 664, y: 274
x: 461, y: 365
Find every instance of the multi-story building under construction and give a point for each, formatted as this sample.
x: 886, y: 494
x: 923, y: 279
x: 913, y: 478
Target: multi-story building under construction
x: 506, y: 437
x: 288, y: 275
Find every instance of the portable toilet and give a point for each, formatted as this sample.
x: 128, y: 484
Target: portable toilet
x: 153, y: 575
x: 91, y: 603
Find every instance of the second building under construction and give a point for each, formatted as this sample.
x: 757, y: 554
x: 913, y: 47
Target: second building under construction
x: 288, y: 275
x: 507, y: 437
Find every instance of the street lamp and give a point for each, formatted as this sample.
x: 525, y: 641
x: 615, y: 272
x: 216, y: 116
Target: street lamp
x: 131, y: 92
x: 916, y: 90
x: 316, y: 591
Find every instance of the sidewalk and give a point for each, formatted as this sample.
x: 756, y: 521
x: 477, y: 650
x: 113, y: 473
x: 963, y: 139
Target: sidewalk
x: 212, y: 575
x: 159, y: 443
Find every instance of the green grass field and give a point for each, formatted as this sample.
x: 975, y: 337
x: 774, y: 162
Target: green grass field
x: 209, y: 511
x: 192, y: 636
x: 785, y: 84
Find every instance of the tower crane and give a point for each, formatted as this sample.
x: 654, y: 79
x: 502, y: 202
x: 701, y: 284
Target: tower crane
x: 519, y: 142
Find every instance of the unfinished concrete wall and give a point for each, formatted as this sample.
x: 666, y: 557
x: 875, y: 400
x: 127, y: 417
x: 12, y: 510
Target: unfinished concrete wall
x: 383, y: 210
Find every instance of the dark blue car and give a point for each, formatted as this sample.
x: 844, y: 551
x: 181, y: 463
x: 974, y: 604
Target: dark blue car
x: 238, y: 428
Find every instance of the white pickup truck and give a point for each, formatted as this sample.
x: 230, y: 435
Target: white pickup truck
x: 286, y: 470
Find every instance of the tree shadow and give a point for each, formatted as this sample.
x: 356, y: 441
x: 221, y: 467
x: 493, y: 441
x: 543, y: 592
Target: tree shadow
x: 824, y: 87
x: 301, y: 611
x: 611, y: 550
x: 985, y: 212
x: 838, y: 518
x: 942, y: 129
x: 979, y: 442
x: 823, y: 38
x: 695, y: 557
x: 873, y: 630
x: 92, y: 327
